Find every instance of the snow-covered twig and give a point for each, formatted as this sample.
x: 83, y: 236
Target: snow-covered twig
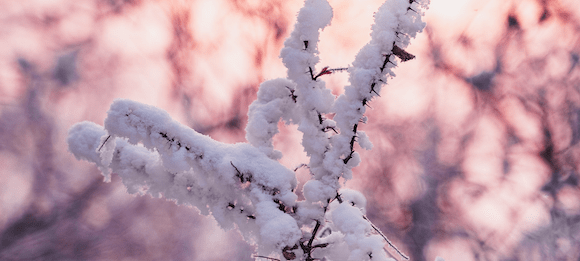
x: 236, y: 182
x: 243, y: 184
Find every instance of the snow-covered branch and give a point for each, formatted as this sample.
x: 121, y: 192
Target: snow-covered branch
x: 236, y: 182
x: 243, y: 184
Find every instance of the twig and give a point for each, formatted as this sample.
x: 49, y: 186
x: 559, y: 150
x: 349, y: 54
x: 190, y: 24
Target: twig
x: 308, y: 247
x: 338, y: 69
x: 323, y: 72
x: 316, y: 227
x: 300, y: 166
x: 269, y: 258
x: 386, y: 239
x: 104, y: 142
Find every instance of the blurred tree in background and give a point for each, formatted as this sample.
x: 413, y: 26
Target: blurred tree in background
x: 476, y: 140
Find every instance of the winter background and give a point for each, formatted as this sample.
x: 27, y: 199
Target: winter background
x: 476, y: 140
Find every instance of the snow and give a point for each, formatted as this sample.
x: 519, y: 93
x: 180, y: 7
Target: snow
x: 84, y: 139
x: 313, y: 100
x: 275, y: 102
x: 316, y: 191
x: 243, y: 185
x: 348, y: 219
x: 190, y: 168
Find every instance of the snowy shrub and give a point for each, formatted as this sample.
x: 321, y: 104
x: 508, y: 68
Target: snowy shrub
x: 243, y: 185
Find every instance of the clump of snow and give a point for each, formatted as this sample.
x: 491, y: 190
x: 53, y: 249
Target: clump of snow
x: 275, y: 102
x: 354, y: 198
x: 356, y: 232
x: 348, y: 219
x: 316, y: 191
x: 84, y: 139
x: 313, y: 16
x: 277, y: 229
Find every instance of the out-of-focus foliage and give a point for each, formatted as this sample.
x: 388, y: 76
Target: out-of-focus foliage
x: 476, y: 140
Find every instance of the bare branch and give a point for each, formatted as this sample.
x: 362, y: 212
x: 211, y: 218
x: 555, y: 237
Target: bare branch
x: 386, y: 239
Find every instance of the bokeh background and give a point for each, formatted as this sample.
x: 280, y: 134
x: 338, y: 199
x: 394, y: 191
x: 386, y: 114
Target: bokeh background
x: 477, y: 140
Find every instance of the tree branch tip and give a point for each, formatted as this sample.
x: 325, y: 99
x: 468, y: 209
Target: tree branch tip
x: 266, y: 257
x: 104, y: 142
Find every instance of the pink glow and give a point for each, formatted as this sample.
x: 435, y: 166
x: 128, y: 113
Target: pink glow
x: 462, y: 165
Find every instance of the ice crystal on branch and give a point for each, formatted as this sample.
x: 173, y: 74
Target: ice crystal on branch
x: 242, y: 185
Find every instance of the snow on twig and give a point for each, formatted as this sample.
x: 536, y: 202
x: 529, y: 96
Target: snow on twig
x: 236, y: 182
x: 243, y: 185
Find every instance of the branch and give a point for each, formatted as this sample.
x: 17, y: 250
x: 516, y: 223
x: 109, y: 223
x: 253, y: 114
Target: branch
x: 224, y: 173
x: 386, y: 239
x: 269, y: 258
x: 104, y: 142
